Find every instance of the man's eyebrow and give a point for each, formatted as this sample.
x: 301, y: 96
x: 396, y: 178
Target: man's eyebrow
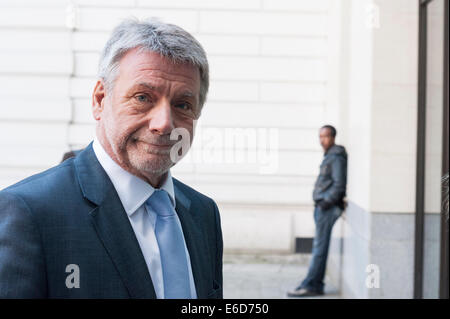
x: 186, y: 94
x: 145, y: 85
x: 153, y: 88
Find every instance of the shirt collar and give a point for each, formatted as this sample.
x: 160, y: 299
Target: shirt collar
x: 132, y: 190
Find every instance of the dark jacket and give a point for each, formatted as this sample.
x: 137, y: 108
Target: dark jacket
x: 71, y: 215
x: 330, y: 187
x: 70, y: 154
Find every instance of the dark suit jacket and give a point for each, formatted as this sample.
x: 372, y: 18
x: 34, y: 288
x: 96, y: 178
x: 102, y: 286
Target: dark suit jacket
x: 71, y: 214
x: 70, y: 154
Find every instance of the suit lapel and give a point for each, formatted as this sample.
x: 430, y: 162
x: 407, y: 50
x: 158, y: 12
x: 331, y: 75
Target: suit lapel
x: 112, y: 225
x: 195, y: 241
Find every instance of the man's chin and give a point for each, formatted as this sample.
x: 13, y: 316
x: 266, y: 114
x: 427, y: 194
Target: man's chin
x: 153, y: 164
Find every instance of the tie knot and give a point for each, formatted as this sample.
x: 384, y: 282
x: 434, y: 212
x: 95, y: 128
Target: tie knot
x: 161, y: 203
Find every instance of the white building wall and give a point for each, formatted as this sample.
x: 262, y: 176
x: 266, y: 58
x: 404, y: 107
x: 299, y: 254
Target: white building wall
x: 381, y: 126
x: 35, y: 107
x: 274, y: 65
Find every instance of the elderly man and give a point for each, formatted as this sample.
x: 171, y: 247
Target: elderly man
x: 112, y: 222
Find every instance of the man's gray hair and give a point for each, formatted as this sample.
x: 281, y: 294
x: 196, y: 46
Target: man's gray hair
x: 153, y: 35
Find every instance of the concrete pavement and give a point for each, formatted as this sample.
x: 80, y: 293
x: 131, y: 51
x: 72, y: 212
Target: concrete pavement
x: 267, y: 276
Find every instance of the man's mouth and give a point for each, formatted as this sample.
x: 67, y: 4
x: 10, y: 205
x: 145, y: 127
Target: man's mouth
x: 160, y: 145
x: 155, y: 148
x: 153, y: 144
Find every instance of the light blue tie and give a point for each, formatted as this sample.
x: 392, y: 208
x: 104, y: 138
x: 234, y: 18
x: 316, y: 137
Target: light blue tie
x: 171, y: 247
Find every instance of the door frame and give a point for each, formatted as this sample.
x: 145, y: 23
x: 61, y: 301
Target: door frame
x: 420, y: 168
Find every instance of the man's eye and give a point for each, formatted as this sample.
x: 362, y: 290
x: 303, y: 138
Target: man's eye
x: 183, y: 106
x: 142, y: 98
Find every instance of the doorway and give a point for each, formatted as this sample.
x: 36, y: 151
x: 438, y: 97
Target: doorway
x: 431, y: 267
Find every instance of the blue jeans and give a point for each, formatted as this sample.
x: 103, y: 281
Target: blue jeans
x: 324, y: 220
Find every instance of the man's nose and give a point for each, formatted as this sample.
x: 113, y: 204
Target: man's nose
x: 161, y: 120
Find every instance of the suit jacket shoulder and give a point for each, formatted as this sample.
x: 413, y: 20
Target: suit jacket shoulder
x: 71, y: 215
x: 208, y: 202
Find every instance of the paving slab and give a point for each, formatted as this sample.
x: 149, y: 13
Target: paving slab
x: 267, y: 276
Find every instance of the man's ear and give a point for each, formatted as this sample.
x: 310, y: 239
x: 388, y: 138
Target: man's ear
x: 98, y: 99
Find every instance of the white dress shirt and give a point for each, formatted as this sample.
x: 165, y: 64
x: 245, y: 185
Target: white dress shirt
x: 133, y: 192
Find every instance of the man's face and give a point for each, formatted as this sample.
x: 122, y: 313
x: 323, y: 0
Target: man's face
x: 151, y: 96
x: 326, y: 139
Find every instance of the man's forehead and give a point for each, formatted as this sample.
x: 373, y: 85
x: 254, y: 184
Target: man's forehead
x: 147, y: 68
x: 138, y: 59
x: 325, y: 131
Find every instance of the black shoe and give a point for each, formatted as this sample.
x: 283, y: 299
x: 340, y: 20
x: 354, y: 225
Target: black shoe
x: 302, y: 292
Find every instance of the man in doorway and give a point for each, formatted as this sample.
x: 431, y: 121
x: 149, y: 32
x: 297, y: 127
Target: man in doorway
x: 328, y: 195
